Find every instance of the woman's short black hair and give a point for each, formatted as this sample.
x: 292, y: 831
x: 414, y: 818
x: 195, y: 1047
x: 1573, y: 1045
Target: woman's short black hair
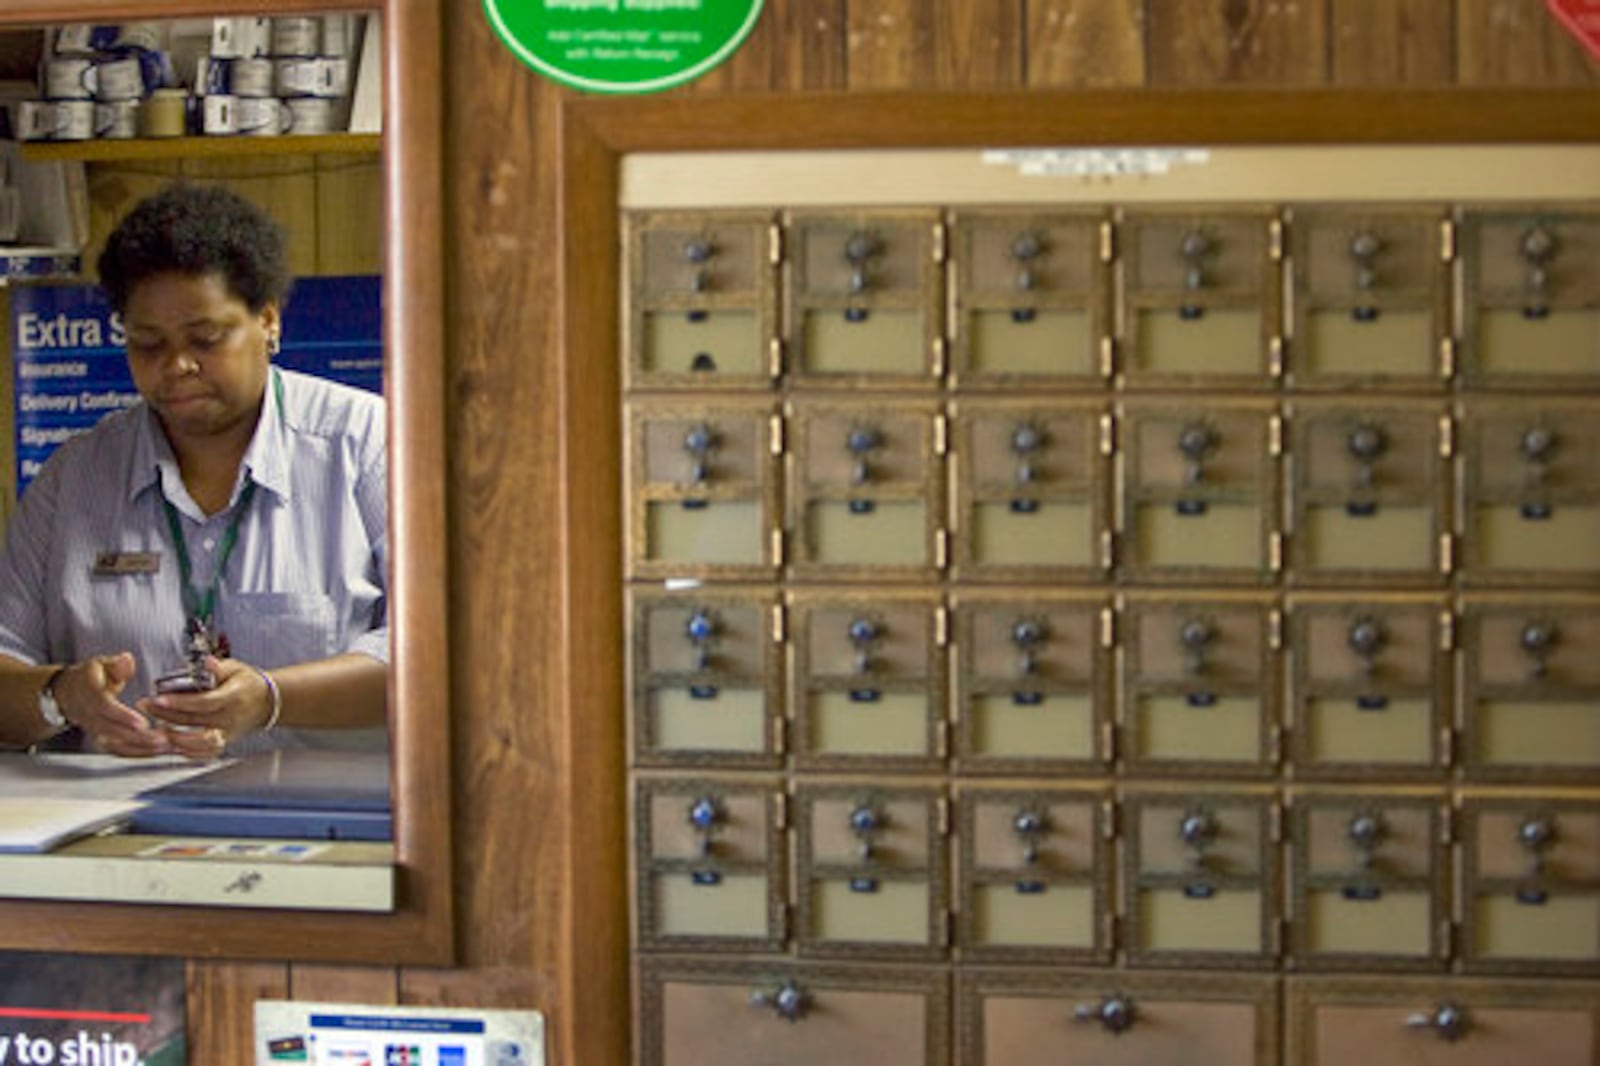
x: 198, y: 230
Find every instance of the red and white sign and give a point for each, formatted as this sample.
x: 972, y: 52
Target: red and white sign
x: 1582, y: 20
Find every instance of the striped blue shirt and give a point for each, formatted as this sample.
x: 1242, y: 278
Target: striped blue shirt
x: 306, y: 580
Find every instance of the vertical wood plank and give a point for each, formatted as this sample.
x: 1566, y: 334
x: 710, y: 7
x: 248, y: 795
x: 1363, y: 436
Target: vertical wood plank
x: 810, y: 44
x: 748, y: 69
x: 325, y: 983
x: 977, y: 44
x: 511, y: 780
x: 1392, y: 42
x: 888, y: 45
x: 1518, y: 42
x: 284, y: 185
x: 798, y: 45
x: 349, y: 228
x: 221, y: 1006
x: 1236, y: 42
x: 113, y: 190
x: 1085, y: 44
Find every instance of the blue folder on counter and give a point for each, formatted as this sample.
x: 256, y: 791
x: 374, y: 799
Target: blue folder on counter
x: 315, y: 794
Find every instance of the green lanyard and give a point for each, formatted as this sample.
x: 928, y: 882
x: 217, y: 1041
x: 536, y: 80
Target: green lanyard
x: 198, y: 606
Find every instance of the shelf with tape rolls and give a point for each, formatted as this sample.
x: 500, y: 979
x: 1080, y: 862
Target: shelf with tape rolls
x: 105, y: 150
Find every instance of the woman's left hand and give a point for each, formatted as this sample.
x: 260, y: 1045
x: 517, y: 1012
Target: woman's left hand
x: 202, y: 724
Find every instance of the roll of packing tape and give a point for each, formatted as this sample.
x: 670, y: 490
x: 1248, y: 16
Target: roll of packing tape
x: 296, y: 35
x: 262, y: 116
x: 69, y: 78
x: 119, y: 79
x: 117, y: 119
x: 250, y: 77
x: 219, y: 115
x: 309, y: 115
x: 74, y: 120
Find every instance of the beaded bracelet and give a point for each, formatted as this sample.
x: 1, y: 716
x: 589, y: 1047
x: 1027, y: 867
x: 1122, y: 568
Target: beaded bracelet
x: 277, y: 700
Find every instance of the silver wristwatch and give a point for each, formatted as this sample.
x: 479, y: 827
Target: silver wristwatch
x: 49, y: 708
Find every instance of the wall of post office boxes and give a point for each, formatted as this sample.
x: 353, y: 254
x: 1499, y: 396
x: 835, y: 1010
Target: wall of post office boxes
x: 1114, y: 633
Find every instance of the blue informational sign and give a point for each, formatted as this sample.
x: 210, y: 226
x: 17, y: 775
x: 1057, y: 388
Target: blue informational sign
x: 67, y: 352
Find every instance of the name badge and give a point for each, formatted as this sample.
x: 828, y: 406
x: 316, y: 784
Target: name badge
x: 117, y: 564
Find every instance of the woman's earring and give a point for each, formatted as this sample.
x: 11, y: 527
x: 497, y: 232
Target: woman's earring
x: 273, y: 344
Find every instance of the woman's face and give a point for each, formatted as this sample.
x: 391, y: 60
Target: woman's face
x: 198, y: 355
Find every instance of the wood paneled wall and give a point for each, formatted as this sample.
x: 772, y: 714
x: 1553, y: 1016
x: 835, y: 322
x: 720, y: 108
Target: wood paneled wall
x: 507, y: 646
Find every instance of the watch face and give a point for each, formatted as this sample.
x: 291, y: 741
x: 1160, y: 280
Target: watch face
x: 49, y: 709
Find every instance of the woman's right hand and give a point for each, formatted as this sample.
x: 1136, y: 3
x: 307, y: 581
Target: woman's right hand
x: 87, y: 694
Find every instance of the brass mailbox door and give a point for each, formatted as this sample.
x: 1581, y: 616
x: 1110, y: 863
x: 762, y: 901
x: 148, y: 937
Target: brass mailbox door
x: 1035, y: 874
x: 1201, y: 297
x: 709, y: 864
x: 706, y: 677
x: 1532, y: 297
x: 703, y: 299
x: 1370, y: 491
x: 703, y: 492
x: 1531, y: 697
x: 1033, y: 681
x: 1531, y: 892
x: 781, y: 1013
x: 1031, y: 295
x: 1200, y: 877
x: 869, y: 678
x: 1032, y: 492
x: 1201, y: 677
x: 1369, y: 882
x: 1371, y: 685
x: 1531, y: 492
x: 1027, y: 1017
x: 865, y: 295
x: 1200, y: 490
x: 866, y: 489
x: 1371, y: 297
x: 1418, y: 1021
x: 871, y: 872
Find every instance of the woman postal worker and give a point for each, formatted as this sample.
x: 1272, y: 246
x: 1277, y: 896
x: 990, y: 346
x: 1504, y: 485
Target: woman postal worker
x: 204, y: 572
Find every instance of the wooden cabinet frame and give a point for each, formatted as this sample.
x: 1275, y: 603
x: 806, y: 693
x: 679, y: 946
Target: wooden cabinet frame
x: 420, y: 930
x: 598, y: 133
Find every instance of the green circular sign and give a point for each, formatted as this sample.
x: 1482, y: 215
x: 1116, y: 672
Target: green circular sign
x: 622, y: 46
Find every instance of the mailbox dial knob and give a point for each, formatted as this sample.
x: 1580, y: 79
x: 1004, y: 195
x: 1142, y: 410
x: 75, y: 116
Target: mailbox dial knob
x: 1197, y: 635
x: 1198, y: 828
x: 788, y: 1001
x: 704, y: 813
x: 1114, y: 1013
x: 1536, y: 833
x: 1194, y: 248
x: 866, y: 820
x: 1027, y: 439
x: 1538, y: 245
x: 1537, y: 443
x: 700, y: 441
x: 864, y: 634
x: 1367, y: 830
x: 697, y: 252
x: 1447, y: 1020
x: 859, y: 248
x: 701, y: 629
x: 1367, y: 442
x: 1366, y: 636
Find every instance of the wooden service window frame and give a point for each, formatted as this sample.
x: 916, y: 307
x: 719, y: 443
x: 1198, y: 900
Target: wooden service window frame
x: 420, y: 929
x: 597, y: 133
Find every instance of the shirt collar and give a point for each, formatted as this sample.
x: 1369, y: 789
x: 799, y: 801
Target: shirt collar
x: 265, y: 460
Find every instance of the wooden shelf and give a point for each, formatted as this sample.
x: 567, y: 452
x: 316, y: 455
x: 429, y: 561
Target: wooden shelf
x: 103, y: 150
